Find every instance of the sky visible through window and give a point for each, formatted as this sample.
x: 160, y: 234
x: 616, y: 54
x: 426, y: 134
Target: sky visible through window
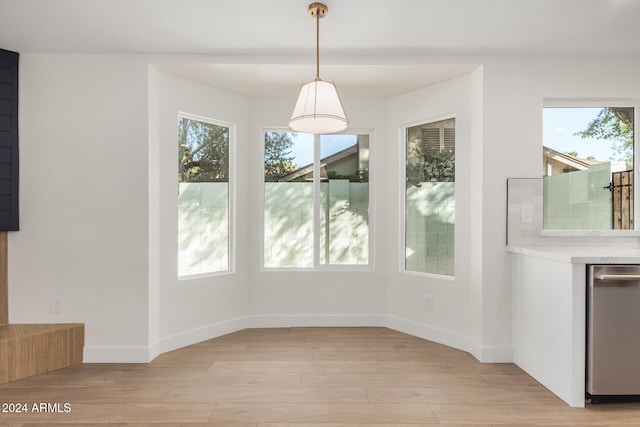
x: 302, y: 150
x: 560, y: 126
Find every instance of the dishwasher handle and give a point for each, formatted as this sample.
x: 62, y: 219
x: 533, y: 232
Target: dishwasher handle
x: 603, y: 280
x: 608, y: 277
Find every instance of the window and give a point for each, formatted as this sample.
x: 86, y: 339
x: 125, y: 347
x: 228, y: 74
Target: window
x: 203, y: 196
x: 429, y: 222
x: 587, y: 165
x: 316, y: 200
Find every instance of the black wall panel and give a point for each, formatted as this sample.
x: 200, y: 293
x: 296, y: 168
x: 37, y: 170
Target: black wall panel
x: 9, y: 160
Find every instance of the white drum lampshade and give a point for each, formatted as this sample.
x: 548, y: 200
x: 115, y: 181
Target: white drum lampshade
x: 318, y: 109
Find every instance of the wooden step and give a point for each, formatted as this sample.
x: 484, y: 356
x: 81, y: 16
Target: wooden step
x: 31, y: 349
x: 4, y: 285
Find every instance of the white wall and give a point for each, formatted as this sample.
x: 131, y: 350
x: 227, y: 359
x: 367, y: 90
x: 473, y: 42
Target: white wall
x: 83, y: 200
x: 451, y: 318
x: 194, y: 309
x: 319, y: 298
x: 513, y: 94
x: 97, y: 216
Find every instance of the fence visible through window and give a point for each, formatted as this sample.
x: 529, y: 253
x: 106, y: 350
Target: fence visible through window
x: 430, y: 202
x: 621, y: 188
x: 587, y: 165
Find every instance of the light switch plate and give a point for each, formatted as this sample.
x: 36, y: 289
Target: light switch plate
x: 526, y: 214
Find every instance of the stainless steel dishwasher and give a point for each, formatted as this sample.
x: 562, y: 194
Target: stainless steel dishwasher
x: 613, y: 331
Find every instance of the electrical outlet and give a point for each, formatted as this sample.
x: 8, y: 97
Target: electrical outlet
x: 55, y: 305
x: 526, y: 214
x: 428, y: 301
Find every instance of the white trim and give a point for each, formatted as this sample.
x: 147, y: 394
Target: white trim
x: 602, y: 103
x: 233, y: 143
x: 231, y: 184
x: 117, y: 354
x: 636, y: 161
x: 431, y: 333
x: 323, y: 268
x: 203, y: 275
x: 193, y: 336
x: 141, y: 354
x: 592, y: 233
x: 452, y: 339
x: 431, y: 275
x: 588, y: 102
x: 319, y: 320
x: 494, y: 354
x: 403, y: 197
x: 316, y: 200
x: 373, y: 187
x: 370, y: 266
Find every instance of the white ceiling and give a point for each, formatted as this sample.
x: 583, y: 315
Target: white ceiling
x: 352, y: 81
x: 353, y: 29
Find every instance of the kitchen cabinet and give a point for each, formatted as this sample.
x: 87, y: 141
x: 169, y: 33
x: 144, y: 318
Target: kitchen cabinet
x: 549, y: 309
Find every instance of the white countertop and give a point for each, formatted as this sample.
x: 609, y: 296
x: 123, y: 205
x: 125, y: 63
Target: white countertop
x: 582, y: 254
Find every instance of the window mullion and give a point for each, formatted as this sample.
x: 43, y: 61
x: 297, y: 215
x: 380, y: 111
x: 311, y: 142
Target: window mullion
x: 316, y: 200
x: 636, y: 163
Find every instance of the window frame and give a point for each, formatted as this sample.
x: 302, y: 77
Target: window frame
x: 599, y: 103
x: 403, y: 199
x: 317, y: 204
x: 231, y: 247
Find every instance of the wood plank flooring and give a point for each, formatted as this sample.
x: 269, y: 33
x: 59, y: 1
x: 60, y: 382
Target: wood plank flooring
x: 4, y: 280
x: 315, y: 377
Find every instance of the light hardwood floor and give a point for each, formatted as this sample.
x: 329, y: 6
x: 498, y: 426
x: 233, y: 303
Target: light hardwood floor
x: 302, y: 376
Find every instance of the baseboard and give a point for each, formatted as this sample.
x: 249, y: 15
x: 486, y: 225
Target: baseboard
x: 320, y: 320
x: 140, y: 354
x: 116, y: 354
x: 96, y: 354
x: 430, y: 333
x: 197, y: 335
x: 495, y: 354
x: 451, y: 339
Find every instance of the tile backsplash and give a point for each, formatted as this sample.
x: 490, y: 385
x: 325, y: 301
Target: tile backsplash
x: 525, y: 222
x: 524, y: 211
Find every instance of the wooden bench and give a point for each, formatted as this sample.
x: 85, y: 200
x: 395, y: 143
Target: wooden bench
x: 30, y: 349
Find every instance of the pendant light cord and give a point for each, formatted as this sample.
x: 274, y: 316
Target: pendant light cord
x: 317, y: 44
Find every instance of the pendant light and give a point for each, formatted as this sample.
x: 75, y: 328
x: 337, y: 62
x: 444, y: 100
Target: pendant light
x: 318, y: 109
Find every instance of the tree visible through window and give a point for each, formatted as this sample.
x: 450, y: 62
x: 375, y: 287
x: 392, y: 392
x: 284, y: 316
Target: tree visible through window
x: 306, y: 228
x: 278, y: 160
x: 430, y: 198
x: 203, y: 201
x: 203, y: 151
x: 587, y: 164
